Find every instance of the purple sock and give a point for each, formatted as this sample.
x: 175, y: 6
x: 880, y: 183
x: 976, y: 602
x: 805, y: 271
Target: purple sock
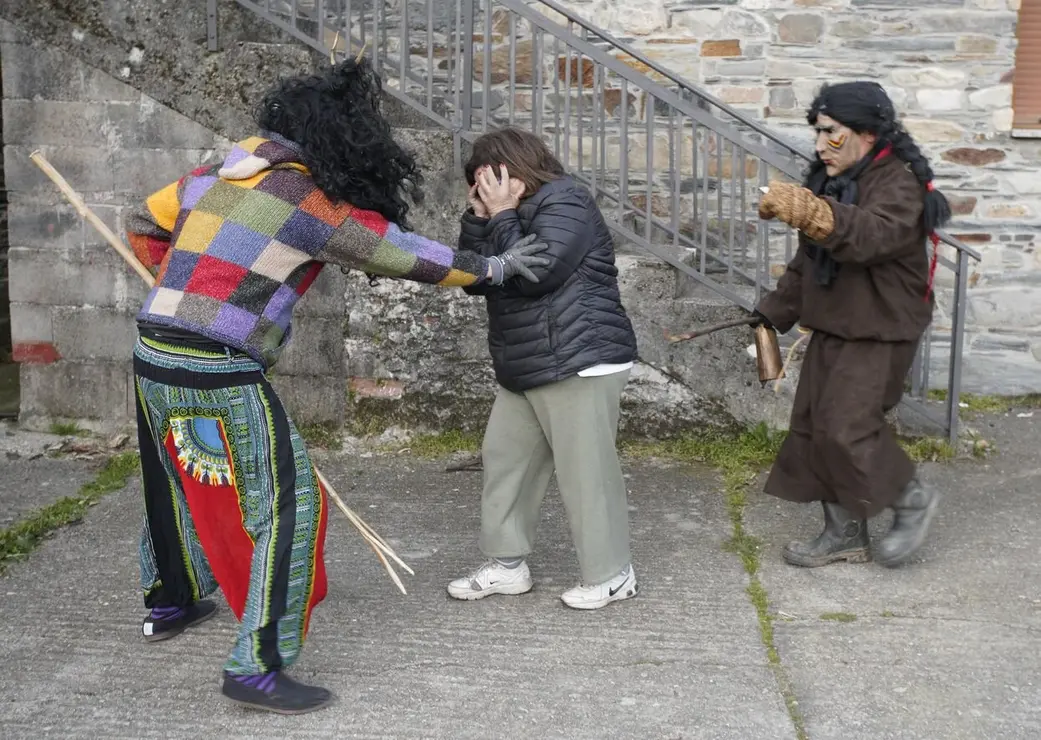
x: 165, y: 613
x: 263, y: 681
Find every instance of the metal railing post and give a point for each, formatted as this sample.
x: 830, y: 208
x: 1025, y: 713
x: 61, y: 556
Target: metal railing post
x: 212, y: 42
x: 467, y: 30
x: 957, y: 342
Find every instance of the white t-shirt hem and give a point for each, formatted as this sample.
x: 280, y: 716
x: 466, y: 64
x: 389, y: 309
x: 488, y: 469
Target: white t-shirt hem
x: 605, y: 369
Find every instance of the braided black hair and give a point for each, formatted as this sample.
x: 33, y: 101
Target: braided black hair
x: 865, y: 107
x: 347, y: 144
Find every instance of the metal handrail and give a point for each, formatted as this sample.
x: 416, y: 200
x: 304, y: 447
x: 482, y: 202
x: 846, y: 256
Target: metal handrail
x: 645, y: 83
x: 680, y: 81
x: 959, y: 245
x: 751, y: 123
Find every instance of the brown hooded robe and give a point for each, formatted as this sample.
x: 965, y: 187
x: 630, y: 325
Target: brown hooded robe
x: 866, y: 328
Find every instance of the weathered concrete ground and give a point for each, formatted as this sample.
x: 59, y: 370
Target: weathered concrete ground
x: 945, y: 648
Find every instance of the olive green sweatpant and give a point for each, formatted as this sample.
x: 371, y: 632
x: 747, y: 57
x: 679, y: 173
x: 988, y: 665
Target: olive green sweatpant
x: 569, y: 427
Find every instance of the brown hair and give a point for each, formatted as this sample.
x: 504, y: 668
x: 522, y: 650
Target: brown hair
x: 525, y: 155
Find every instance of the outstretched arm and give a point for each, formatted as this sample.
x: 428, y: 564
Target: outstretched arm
x: 367, y: 241
x: 862, y: 234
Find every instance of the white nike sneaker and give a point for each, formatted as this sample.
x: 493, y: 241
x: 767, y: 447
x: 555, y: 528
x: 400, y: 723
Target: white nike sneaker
x: 492, y: 578
x: 622, y: 586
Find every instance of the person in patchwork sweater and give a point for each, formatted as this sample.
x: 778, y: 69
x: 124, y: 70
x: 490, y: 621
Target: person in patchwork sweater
x: 231, y: 497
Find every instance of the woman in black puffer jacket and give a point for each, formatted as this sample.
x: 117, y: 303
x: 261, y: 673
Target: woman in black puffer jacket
x: 562, y: 348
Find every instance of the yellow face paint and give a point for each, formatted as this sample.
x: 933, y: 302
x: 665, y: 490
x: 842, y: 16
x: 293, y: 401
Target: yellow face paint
x: 837, y: 146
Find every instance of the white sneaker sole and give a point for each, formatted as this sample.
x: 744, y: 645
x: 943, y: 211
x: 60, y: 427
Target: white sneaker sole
x: 506, y: 589
x: 628, y: 593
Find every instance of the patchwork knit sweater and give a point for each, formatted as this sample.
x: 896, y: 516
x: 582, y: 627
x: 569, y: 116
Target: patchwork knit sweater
x: 234, y: 246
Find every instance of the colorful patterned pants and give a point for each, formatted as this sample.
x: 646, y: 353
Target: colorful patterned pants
x: 231, y: 499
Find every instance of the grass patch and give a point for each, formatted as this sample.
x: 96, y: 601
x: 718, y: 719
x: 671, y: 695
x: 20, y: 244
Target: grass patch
x: 888, y: 614
x: 67, y: 429
x: 445, y: 443
x: 326, y: 435
x: 972, y: 404
x: 739, y: 458
x: 844, y: 617
x: 366, y: 426
x: 928, y: 449
x: 18, y: 540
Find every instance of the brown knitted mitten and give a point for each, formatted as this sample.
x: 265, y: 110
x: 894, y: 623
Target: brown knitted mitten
x: 799, y: 208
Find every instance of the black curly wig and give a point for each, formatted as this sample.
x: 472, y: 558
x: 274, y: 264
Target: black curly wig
x: 865, y: 107
x: 335, y: 118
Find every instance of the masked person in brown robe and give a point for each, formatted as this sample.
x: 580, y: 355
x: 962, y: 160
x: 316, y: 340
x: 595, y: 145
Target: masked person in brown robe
x: 862, y: 282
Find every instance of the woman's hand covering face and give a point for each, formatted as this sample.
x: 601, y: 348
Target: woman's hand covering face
x: 474, y: 199
x: 498, y: 194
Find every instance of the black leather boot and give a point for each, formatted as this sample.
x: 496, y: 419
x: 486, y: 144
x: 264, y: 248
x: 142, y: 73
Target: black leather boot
x: 914, y: 511
x: 843, y: 538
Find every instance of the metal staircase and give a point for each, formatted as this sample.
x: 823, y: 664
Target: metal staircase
x: 675, y: 170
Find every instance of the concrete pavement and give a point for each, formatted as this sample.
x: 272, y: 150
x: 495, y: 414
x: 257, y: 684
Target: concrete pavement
x: 945, y: 648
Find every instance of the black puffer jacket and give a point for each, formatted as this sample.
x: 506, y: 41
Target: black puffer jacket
x: 573, y: 318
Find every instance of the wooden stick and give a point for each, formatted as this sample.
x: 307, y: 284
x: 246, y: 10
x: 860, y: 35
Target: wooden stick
x: 116, y: 243
x: 90, y: 216
x: 806, y: 333
x: 371, y: 543
x: 332, y: 51
x: 673, y: 338
x: 343, y: 507
x: 394, y: 576
x: 474, y: 462
x: 368, y: 532
x: 369, y: 535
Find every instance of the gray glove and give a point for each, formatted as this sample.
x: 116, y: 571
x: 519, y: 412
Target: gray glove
x: 518, y: 259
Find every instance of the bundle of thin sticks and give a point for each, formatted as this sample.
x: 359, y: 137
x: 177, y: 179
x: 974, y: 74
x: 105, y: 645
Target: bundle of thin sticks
x: 377, y: 543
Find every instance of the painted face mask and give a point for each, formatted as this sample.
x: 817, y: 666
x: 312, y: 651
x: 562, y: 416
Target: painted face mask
x: 837, y: 146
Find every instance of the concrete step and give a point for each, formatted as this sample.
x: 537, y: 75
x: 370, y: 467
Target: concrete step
x: 717, y: 369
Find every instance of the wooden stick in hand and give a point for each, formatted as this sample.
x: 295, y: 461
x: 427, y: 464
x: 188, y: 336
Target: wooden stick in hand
x: 81, y: 207
x: 673, y: 338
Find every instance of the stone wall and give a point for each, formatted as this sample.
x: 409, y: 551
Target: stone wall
x: 948, y: 66
x: 73, y: 299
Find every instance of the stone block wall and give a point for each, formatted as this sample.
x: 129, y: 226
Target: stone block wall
x: 948, y: 66
x: 73, y: 299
